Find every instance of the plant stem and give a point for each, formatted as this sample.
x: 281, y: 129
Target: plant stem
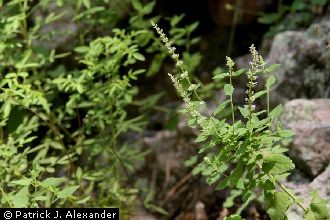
x: 232, y: 104
x: 289, y: 193
x: 6, y: 197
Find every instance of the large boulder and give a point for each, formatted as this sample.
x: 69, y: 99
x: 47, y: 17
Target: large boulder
x: 305, y: 63
x: 310, y: 120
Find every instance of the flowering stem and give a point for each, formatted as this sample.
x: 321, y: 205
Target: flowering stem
x: 232, y: 105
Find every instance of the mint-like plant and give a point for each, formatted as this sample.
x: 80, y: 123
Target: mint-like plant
x: 246, y: 150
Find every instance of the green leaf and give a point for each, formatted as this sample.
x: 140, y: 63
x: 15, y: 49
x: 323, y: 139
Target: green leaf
x: 139, y: 56
x: 156, y: 209
x: 84, y: 200
x: 236, y: 174
x: 229, y: 89
x: 221, y: 107
x: 21, y: 198
x: 229, y: 202
x: 22, y: 182
x: 317, y: 210
x: 269, y: 18
x: 268, y: 185
x: 147, y: 9
x: 52, y: 181
x: 223, y: 184
x: 202, y: 137
x: 276, y: 112
x: 220, y: 76
x: 278, y: 204
x: 239, y: 72
x: 137, y: 5
x: 81, y: 49
x: 276, y: 163
x: 156, y: 64
x: 244, y: 112
x: 258, y: 94
x: 270, y: 81
x: 193, y: 26
x: 176, y: 19
x: 41, y: 198
x: 272, y: 67
x: 192, y: 160
x: 87, y: 3
x: 286, y: 133
x: 65, y: 193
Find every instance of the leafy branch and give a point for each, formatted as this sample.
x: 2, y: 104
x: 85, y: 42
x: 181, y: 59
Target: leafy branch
x: 248, y: 143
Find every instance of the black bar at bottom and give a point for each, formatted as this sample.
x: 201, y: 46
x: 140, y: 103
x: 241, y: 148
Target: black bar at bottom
x: 59, y: 213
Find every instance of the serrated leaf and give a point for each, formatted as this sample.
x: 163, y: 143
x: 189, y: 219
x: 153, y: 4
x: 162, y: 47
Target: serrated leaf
x: 229, y: 89
x: 270, y: 81
x: 65, y: 193
x: 286, y: 133
x: 221, y: 107
x: 276, y: 112
x: 276, y: 164
x: 278, y: 204
x: 22, y: 182
x: 317, y: 210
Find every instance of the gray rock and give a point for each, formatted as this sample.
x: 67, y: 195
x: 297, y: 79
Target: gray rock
x: 305, y: 63
x: 310, y: 120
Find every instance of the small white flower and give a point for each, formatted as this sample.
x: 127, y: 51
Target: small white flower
x: 172, y: 50
x: 179, y: 63
x: 168, y: 44
x: 175, y: 56
x: 184, y: 75
x: 192, y: 87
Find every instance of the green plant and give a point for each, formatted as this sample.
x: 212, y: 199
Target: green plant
x: 300, y: 12
x: 62, y: 114
x: 247, y: 154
